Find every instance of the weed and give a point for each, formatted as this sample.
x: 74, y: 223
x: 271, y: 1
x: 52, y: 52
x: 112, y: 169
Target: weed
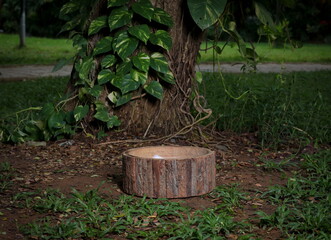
x: 228, y: 196
x: 6, y: 175
x: 88, y: 215
x: 275, y: 165
x: 305, y: 207
x: 282, y: 109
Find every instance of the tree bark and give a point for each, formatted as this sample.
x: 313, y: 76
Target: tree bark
x: 173, y: 112
x: 147, y: 115
x: 22, y: 24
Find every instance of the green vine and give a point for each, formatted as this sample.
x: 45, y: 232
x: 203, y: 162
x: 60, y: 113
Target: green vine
x: 126, y: 65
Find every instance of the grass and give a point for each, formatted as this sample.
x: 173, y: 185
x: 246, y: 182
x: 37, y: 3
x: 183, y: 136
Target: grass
x: 16, y: 96
x: 317, y: 53
x: 43, y: 51
x: 89, y: 215
x: 280, y: 108
x: 21, y: 103
x: 302, y: 211
x: 6, y: 175
x: 48, y: 51
x: 304, y: 207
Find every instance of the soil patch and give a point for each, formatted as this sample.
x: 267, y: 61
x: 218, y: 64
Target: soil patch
x: 84, y: 164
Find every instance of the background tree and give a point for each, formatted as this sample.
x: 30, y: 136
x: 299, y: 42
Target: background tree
x: 23, y: 24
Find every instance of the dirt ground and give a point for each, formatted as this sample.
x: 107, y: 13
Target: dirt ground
x: 82, y: 163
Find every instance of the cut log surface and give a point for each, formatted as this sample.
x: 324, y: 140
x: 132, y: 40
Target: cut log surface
x: 169, y: 171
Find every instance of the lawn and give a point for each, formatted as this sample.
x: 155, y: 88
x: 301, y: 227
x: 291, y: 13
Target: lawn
x: 317, y: 53
x: 43, y: 51
x: 49, y: 51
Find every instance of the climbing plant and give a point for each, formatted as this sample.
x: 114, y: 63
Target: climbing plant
x: 125, y: 53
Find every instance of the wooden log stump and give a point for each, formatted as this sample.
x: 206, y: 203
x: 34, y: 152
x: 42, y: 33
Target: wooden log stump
x: 169, y: 171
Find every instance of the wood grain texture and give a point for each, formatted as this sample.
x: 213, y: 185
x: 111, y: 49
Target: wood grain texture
x: 175, y: 172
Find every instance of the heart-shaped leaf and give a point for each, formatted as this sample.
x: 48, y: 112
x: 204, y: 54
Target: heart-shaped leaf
x: 95, y: 91
x: 105, y: 76
x: 168, y: 77
x: 205, y: 13
x: 113, y: 122
x: 123, y: 99
x: 103, y: 46
x: 113, y: 96
x: 125, y: 83
x: 141, y: 32
x: 97, y: 24
x: 102, y: 115
x: 80, y: 112
x: 85, y: 68
x: 108, y: 61
x: 56, y: 120
x: 263, y: 14
x: 144, y: 8
x: 124, y: 67
x: 117, y: 3
x: 119, y: 17
x: 138, y: 76
x: 162, y: 17
x: 141, y: 61
x: 162, y: 39
x: 159, y: 63
x: 68, y: 8
x: 198, y: 77
x: 125, y: 45
x: 155, y: 89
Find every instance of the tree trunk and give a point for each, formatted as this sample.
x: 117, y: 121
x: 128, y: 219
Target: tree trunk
x: 147, y: 115
x: 173, y: 112
x: 22, y: 24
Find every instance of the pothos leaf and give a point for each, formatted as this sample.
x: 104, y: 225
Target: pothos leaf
x: 113, y: 96
x: 155, y: 89
x: 117, y: 3
x: 95, y: 91
x: 162, y: 39
x: 162, y: 17
x: 84, y: 69
x: 124, y: 67
x: 141, y: 32
x: 97, y: 24
x: 141, y: 61
x: 105, y: 76
x: 80, y: 112
x: 125, y: 83
x: 159, y: 63
x: 108, y: 61
x: 123, y: 99
x: 263, y: 14
x: 68, y: 8
x: 56, y: 120
x: 144, y: 8
x: 138, y: 76
x: 198, y: 77
x: 168, y: 77
x: 125, y: 45
x: 205, y: 13
x: 102, y: 115
x: 113, y: 122
x: 103, y: 46
x: 119, y: 17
